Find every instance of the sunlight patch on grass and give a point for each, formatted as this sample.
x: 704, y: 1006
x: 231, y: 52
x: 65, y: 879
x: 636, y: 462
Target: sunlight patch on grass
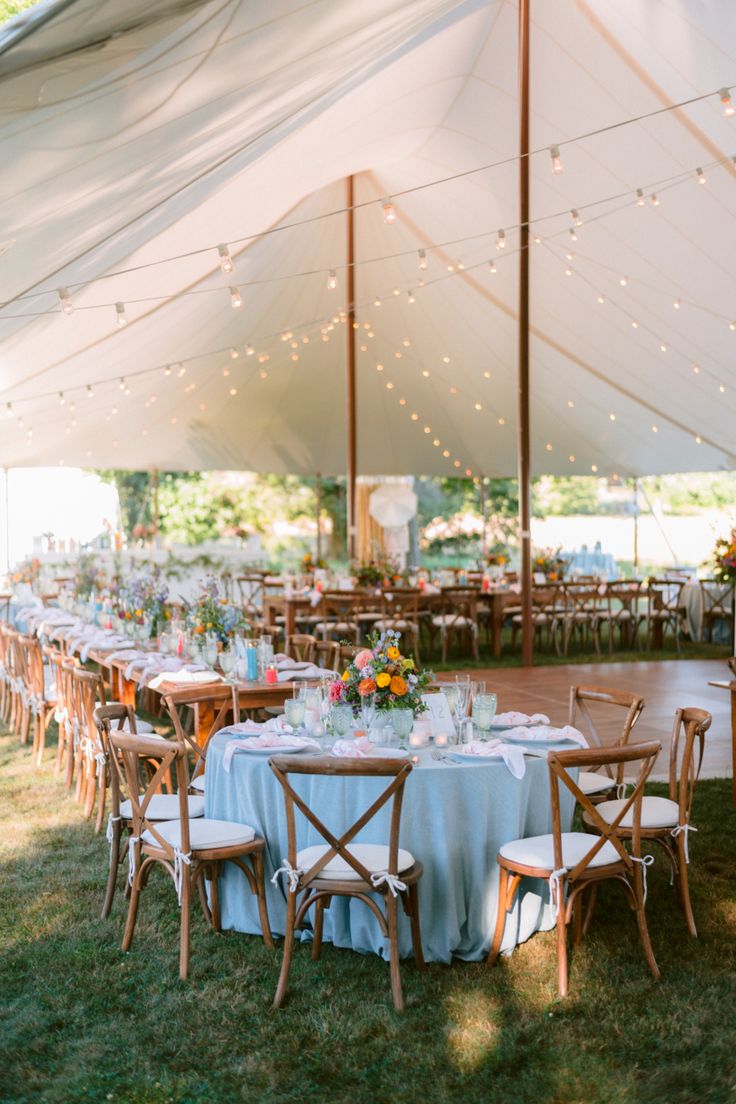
x: 474, y: 1028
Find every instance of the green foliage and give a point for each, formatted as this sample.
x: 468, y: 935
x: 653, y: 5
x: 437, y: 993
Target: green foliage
x: 688, y: 494
x: 10, y: 8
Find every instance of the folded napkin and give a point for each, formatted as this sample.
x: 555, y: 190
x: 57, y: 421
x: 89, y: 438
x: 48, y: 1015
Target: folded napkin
x: 305, y: 671
x: 361, y: 748
x: 184, y: 678
x: 266, y: 740
x: 547, y: 734
x: 430, y: 588
x: 513, y: 757
x: 515, y: 718
x: 256, y: 728
x: 127, y: 653
x: 144, y: 659
x: 102, y: 641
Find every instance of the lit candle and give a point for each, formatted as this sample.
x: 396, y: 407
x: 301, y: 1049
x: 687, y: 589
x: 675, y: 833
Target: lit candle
x: 440, y: 739
x: 416, y: 740
x: 271, y: 675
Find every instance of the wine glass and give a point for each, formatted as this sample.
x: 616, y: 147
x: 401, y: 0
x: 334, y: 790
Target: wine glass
x: 228, y: 660
x: 462, y: 703
x: 402, y: 721
x: 368, y: 711
x: 210, y: 650
x: 484, y: 710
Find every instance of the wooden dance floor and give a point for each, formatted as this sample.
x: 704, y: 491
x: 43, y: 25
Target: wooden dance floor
x: 664, y: 685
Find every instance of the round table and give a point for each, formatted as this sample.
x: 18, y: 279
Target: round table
x: 454, y: 819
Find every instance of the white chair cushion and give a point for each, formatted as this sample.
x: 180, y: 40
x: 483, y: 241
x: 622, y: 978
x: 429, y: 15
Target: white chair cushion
x: 592, y: 783
x: 143, y: 728
x: 656, y: 812
x: 373, y: 856
x: 204, y: 834
x: 451, y: 620
x: 539, y: 850
x: 165, y: 807
x: 400, y: 626
x: 198, y: 783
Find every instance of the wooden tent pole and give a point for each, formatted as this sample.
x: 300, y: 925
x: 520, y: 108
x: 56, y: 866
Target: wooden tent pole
x: 523, y: 432
x: 351, y: 338
x: 319, y: 517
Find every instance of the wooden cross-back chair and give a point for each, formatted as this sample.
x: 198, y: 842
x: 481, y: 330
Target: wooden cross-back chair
x: 300, y: 647
x: 65, y: 666
x: 666, y: 820
x: 717, y: 602
x: 43, y: 694
x: 22, y: 649
x: 189, y: 850
x: 663, y: 610
x: 250, y: 591
x: 400, y: 613
x: 338, y: 614
x: 326, y: 653
x: 576, y: 862
x: 88, y: 691
x: 582, y: 614
x: 545, y: 616
x: 597, y: 785
x: 459, y: 618
x: 163, y: 806
x: 223, y: 705
x: 343, y: 868
x: 621, y: 611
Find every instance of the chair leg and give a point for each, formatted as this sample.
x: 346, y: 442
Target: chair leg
x: 185, y: 924
x: 214, y: 870
x: 684, y: 887
x: 278, y: 999
x: 416, y: 931
x: 592, y: 894
x: 319, y: 909
x: 641, y: 921
x: 112, y: 873
x: 507, y: 884
x: 135, y: 892
x: 561, y: 943
x: 393, y: 948
x: 260, y: 877
x: 101, y: 799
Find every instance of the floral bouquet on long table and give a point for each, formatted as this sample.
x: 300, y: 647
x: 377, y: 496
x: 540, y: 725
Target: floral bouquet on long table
x: 383, y: 671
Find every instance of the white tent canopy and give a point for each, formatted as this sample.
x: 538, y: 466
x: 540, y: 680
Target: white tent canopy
x: 137, y: 136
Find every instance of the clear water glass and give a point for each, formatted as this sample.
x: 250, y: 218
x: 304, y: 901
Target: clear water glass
x: 341, y: 719
x: 210, y: 650
x: 462, y: 703
x: 484, y: 710
x: 294, y: 710
x: 228, y: 661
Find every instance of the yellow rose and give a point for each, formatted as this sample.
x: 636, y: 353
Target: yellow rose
x: 382, y: 680
x: 393, y: 653
x: 346, y: 676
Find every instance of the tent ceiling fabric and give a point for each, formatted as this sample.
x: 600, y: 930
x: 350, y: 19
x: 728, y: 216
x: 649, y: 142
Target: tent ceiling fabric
x: 136, y: 132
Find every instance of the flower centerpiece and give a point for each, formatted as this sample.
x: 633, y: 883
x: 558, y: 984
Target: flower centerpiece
x: 27, y: 573
x: 143, y: 598
x: 498, y: 556
x: 382, y: 670
x: 89, y: 577
x: 310, y: 564
x: 550, y: 562
x: 724, y: 558
x: 378, y: 572
x: 212, y: 613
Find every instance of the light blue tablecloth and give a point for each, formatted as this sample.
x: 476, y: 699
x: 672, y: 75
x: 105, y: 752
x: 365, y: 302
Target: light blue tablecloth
x: 600, y: 564
x: 454, y: 819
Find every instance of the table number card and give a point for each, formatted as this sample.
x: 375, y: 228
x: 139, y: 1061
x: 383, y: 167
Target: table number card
x: 438, y: 712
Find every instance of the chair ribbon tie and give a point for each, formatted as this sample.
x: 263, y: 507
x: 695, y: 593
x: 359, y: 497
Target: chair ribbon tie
x: 392, y: 882
x: 111, y: 832
x: 293, y: 873
x: 77, y: 734
x: 101, y: 761
x: 131, y: 857
x: 621, y: 790
x: 686, y: 828
x: 645, y: 861
x: 555, y: 879
x: 181, y: 859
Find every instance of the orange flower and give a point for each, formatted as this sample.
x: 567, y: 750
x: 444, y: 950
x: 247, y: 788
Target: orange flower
x: 393, y: 653
x: 398, y: 686
x: 366, y: 686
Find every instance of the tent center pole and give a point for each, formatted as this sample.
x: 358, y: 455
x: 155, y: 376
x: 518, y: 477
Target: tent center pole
x: 351, y: 338
x: 523, y: 432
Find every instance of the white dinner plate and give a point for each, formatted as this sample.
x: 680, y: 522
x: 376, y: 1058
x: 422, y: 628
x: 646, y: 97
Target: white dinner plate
x: 281, y: 749
x: 502, y: 727
x: 548, y: 741
x: 390, y: 753
x: 467, y: 757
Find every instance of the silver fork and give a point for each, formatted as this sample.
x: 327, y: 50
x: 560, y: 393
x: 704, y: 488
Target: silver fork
x: 439, y: 756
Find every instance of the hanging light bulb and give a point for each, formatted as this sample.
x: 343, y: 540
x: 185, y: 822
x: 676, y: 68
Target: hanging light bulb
x: 492, y: 267
x: 236, y: 300
x: 389, y: 213
x: 677, y: 304
x: 501, y: 239
x: 65, y: 300
x: 576, y: 217
x: 9, y: 409
x: 167, y: 370
x: 121, y: 385
x: 655, y: 200
x: 601, y: 299
x: 701, y: 176
x: 234, y: 354
x: 639, y: 197
x: 62, y: 398
x: 422, y: 260
x: 226, y: 261
x: 624, y: 281
x: 120, y: 316
x: 410, y: 297
x: 573, y: 235
x: 557, y: 166
x: 725, y: 98
x: 332, y: 279
x: 249, y: 350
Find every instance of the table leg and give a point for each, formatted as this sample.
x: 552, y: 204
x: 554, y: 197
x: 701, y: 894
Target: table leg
x: 290, y: 618
x: 126, y: 689
x: 204, y: 719
x: 496, y: 627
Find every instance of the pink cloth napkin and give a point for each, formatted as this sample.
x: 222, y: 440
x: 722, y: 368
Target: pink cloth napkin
x: 257, y: 728
x: 513, y: 757
x: 361, y: 748
x: 546, y: 734
x: 515, y: 718
x: 265, y: 740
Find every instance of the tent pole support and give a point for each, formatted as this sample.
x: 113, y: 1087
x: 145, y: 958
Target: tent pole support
x: 523, y: 432
x: 318, y: 508
x: 154, y: 490
x: 351, y: 337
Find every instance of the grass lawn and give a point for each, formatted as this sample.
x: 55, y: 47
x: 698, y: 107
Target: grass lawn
x: 81, y: 1022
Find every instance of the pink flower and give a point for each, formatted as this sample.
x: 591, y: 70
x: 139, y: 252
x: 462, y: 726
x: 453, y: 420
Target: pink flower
x: 363, y: 658
x: 336, y: 689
